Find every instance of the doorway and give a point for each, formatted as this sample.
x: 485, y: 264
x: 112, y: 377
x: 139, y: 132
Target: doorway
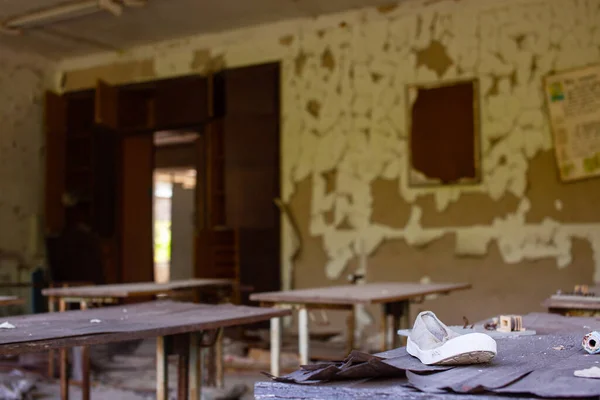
x: 174, y: 205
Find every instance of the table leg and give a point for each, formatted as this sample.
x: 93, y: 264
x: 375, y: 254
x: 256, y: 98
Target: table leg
x: 395, y: 316
x: 219, y: 363
x: 162, y: 370
x: 195, y: 368
x: 64, y: 361
x: 384, y: 328
x: 396, y: 339
x: 351, y: 330
x: 51, y: 371
x: 85, y: 364
x: 405, y: 320
x: 183, y: 374
x: 275, y: 346
x: 303, y: 336
x: 64, y: 374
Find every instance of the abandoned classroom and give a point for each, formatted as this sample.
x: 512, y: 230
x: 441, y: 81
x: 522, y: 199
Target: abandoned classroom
x: 199, y: 199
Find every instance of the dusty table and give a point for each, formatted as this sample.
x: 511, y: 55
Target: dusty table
x: 574, y: 305
x: 87, y: 295
x: 370, y: 389
x: 110, y: 293
x: 354, y: 385
x: 394, y: 297
x: 10, y: 300
x: 188, y: 326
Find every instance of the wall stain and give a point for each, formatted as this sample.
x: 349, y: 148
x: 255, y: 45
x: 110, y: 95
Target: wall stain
x: 435, y: 58
x: 327, y: 60
x: 314, y: 108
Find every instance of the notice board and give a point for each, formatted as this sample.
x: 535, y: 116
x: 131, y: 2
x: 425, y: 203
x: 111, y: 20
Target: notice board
x: 573, y: 100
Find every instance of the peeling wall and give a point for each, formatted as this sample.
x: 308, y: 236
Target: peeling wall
x: 344, y: 147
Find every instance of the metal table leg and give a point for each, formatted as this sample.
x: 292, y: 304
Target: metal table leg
x: 275, y: 346
x: 303, y: 335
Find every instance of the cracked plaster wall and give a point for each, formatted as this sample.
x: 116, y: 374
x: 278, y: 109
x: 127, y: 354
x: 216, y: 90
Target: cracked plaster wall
x: 23, y: 79
x: 344, y: 148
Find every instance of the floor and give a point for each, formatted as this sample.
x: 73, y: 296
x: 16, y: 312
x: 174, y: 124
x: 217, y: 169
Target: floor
x: 127, y: 372
x: 132, y: 377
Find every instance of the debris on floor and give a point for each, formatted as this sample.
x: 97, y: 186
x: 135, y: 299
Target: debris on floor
x: 591, y: 342
x: 7, y: 325
x: 593, y: 372
x: 16, y: 385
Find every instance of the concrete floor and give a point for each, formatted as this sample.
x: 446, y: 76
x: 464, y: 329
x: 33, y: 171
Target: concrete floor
x: 51, y: 390
x: 132, y: 377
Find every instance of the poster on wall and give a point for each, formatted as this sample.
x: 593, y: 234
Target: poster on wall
x: 573, y: 99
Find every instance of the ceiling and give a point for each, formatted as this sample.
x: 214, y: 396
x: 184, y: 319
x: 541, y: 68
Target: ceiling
x: 158, y: 20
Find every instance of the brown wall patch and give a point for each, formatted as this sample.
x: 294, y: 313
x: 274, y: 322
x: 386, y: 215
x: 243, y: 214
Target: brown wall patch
x: 435, y: 58
x: 471, y: 209
x: 575, y: 202
x: 389, y: 208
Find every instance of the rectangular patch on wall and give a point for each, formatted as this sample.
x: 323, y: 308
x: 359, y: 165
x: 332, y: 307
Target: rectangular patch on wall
x: 444, y: 134
x: 573, y: 100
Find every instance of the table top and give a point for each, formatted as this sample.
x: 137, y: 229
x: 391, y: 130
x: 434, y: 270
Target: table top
x: 10, y: 300
x: 572, y: 302
x: 392, y: 388
x: 529, y: 367
x: 123, y: 290
x: 369, y: 293
x: 40, y: 332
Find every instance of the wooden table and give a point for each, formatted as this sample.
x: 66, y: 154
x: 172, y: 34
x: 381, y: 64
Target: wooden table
x: 88, y: 295
x: 110, y: 293
x: 10, y: 301
x: 394, y: 388
x: 574, y: 305
x: 184, y: 327
x: 394, y: 297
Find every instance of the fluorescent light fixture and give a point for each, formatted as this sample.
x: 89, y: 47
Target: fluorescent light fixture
x: 65, y: 11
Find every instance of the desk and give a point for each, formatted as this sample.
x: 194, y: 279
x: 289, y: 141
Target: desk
x: 10, y: 301
x: 574, y: 305
x: 87, y: 295
x: 110, y: 293
x: 394, y: 297
x: 189, y: 326
x: 526, y: 366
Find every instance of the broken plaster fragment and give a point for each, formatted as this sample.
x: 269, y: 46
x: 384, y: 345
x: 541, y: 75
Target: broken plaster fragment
x: 7, y: 325
x: 593, y: 372
x: 95, y: 321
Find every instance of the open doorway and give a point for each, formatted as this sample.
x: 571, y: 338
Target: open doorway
x: 174, y: 206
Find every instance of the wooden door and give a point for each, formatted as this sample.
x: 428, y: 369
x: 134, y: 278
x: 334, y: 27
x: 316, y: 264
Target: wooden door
x: 137, y: 168
x: 55, y: 129
x: 251, y: 159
